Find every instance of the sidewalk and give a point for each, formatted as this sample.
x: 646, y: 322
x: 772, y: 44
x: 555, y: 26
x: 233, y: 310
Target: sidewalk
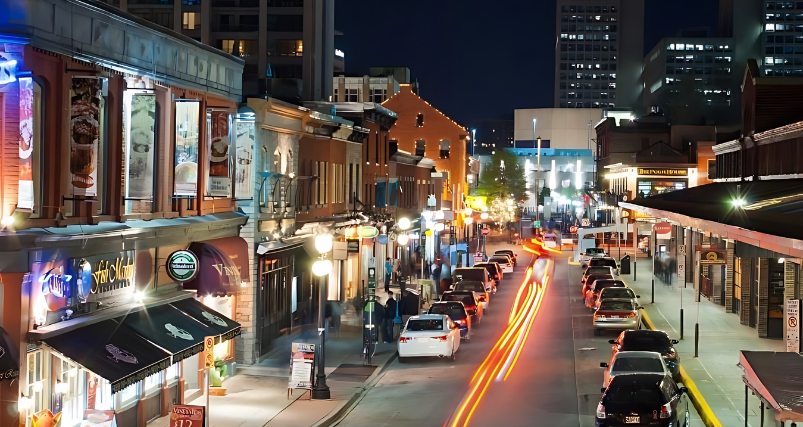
x: 715, y: 372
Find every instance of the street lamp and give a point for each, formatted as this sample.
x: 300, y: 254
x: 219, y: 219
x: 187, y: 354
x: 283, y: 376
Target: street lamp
x: 404, y: 223
x: 538, y: 179
x: 322, y: 268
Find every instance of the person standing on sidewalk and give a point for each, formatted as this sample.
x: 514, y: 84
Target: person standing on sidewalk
x: 388, y: 273
x: 390, y: 316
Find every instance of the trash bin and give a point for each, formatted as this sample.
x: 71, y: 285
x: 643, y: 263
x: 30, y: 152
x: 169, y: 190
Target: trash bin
x: 624, y: 265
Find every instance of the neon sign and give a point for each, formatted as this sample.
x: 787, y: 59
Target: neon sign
x: 56, y: 283
x: 8, y: 70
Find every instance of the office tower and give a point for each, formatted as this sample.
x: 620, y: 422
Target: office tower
x: 599, y: 52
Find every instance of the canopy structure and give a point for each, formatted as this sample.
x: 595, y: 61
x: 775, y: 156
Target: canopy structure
x: 222, y: 325
x: 777, y: 379
x: 170, y: 329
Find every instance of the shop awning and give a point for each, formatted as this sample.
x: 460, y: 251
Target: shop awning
x: 223, y: 266
x: 112, y: 351
x: 221, y: 324
x: 171, y: 329
x: 777, y: 378
x: 9, y: 357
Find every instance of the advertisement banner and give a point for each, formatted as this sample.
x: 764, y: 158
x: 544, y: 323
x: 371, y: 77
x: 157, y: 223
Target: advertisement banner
x: 302, y: 360
x: 187, y: 416
x: 219, y: 182
x: 186, y: 156
x: 140, y: 144
x: 246, y: 136
x: 792, y: 316
x: 85, y: 98
x: 25, y: 187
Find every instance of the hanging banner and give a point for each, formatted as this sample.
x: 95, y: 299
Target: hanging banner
x: 246, y: 136
x: 302, y: 359
x: 85, y: 96
x: 186, y: 156
x: 219, y: 182
x: 25, y: 186
x: 140, y: 146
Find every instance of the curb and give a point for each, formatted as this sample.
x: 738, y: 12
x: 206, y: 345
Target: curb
x: 341, y: 410
x: 697, y: 399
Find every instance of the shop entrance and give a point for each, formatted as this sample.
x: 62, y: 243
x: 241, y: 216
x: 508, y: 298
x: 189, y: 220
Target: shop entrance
x: 275, y: 294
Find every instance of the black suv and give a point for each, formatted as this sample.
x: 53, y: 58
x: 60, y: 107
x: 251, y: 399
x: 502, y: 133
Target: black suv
x: 643, y: 399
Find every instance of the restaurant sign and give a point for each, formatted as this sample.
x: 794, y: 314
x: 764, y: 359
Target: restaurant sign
x: 182, y: 266
x: 102, y: 274
x: 711, y: 256
x: 663, y: 171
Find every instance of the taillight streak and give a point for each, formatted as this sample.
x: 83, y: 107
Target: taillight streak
x: 440, y: 338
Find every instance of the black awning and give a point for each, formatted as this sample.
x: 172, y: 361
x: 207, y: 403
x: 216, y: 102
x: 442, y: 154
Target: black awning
x: 777, y: 377
x: 170, y: 329
x: 113, y: 351
x: 224, y: 326
x: 9, y: 357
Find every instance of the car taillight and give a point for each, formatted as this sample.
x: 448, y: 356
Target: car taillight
x: 671, y: 356
x: 666, y: 411
x: 632, y: 314
x: 496, y: 276
x: 441, y: 338
x: 484, y: 298
x: 460, y: 321
x: 405, y: 339
x: 600, y: 410
x: 601, y: 316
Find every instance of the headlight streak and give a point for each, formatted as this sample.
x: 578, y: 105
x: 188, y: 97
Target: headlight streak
x: 502, y: 358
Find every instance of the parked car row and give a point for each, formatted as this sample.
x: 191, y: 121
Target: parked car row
x: 439, y: 331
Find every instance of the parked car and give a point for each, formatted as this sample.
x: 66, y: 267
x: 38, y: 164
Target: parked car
x: 479, y: 274
x: 639, y: 399
x: 648, y: 340
x: 550, y: 240
x: 616, y: 314
x: 604, y: 261
x: 619, y: 291
x: 509, y: 253
x: 457, y: 312
x: 473, y: 307
x: 633, y: 362
x: 429, y: 335
x: 597, y: 272
x: 599, y: 285
x: 591, y: 253
x: 494, y: 270
x: 482, y: 294
x: 504, y: 261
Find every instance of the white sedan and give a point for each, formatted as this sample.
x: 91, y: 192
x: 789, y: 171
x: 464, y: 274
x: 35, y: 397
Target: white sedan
x: 429, y: 335
x: 504, y: 261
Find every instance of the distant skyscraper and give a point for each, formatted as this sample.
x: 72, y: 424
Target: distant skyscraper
x: 599, y: 53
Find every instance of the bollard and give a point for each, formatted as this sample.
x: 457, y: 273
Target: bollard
x: 696, y: 338
x: 681, y: 323
x: 634, y: 269
x: 652, y: 296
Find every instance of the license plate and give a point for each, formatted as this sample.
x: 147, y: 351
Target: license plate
x: 422, y: 339
x: 632, y: 420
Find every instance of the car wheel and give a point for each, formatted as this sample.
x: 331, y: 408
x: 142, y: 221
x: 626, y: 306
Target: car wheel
x: 597, y: 332
x: 402, y: 359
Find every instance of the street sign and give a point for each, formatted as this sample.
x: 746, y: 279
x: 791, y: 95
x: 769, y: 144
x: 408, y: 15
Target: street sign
x: 537, y: 224
x: 486, y: 231
x: 681, y: 249
x: 573, y: 229
x: 585, y: 222
x: 681, y: 268
x: 792, y: 325
x: 209, y: 352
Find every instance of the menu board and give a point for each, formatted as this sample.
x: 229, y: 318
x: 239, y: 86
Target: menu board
x: 187, y: 416
x: 302, y: 360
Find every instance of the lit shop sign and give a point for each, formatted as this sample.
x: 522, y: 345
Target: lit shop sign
x: 182, y: 266
x: 55, y: 283
x: 107, y: 274
x: 103, y: 273
x: 228, y: 271
x: 8, y: 70
x: 663, y: 171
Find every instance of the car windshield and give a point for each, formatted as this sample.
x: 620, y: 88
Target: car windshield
x: 425, y: 325
x: 602, y: 284
x: 469, y: 286
x: 629, y: 395
x: 467, y: 300
x: 598, y: 270
x: 618, y: 293
x: 454, y: 311
x: 505, y: 253
x: 594, y: 251
x: 637, y: 364
x: 602, y: 262
x: 652, y: 342
x: 616, y: 305
x: 499, y: 260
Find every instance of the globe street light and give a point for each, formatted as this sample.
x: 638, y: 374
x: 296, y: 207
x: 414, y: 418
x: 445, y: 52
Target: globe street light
x: 402, y: 239
x: 322, y: 268
x: 404, y: 223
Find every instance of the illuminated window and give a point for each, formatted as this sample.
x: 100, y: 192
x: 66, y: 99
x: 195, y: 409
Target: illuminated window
x: 191, y: 21
x: 227, y: 46
x: 419, y: 120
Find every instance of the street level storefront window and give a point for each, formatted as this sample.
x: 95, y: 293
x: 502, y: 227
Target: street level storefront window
x: 70, y: 390
x: 651, y: 187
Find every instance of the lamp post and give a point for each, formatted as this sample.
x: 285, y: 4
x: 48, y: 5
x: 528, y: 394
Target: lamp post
x: 538, y: 178
x: 322, y: 268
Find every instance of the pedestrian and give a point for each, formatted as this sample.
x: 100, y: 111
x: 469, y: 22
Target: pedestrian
x: 337, y: 312
x: 391, y: 312
x: 388, y: 272
x: 397, y: 271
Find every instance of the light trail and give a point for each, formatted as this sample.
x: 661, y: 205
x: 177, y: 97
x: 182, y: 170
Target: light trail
x: 502, y: 358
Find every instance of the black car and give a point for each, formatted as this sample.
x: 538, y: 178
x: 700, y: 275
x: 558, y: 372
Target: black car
x: 473, y: 306
x: 647, y: 340
x: 507, y: 252
x: 643, y: 400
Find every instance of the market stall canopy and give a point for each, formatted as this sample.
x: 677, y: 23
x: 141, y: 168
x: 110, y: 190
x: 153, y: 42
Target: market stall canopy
x: 221, y: 324
x: 777, y: 378
x: 223, y: 266
x: 113, y: 351
x: 170, y: 329
x: 9, y: 357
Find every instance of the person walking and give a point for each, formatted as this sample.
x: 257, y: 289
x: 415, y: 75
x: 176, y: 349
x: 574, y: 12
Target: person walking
x: 391, y: 311
x: 388, y: 273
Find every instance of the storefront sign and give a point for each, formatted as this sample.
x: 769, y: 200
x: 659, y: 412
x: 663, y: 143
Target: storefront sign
x: 185, y: 175
x: 711, y: 256
x: 245, y: 134
x: 219, y: 180
x: 25, y: 186
x: 792, y: 325
x: 187, y: 416
x: 102, y: 274
x: 302, y: 359
x: 140, y: 146
x: 663, y: 171
x: 209, y: 351
x: 663, y: 230
x: 85, y: 94
x: 98, y: 418
x: 182, y: 266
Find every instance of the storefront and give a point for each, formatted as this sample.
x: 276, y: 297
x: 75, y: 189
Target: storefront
x: 649, y: 180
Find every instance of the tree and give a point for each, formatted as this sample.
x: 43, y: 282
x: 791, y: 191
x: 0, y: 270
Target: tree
x: 503, y: 178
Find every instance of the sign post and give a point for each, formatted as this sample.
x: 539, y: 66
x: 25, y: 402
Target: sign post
x: 792, y: 325
x: 371, y: 281
x: 209, y: 363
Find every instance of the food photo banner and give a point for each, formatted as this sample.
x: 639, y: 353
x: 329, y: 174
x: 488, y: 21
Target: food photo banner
x: 186, y: 155
x: 142, y: 132
x: 85, y: 98
x: 219, y: 182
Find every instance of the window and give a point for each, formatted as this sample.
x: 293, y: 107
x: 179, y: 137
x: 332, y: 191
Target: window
x: 152, y: 381
x: 226, y: 46
x: 286, y: 23
x: 288, y: 47
x: 420, y: 148
x: 139, y: 120
x: 323, y: 183
x: 191, y: 21
x: 352, y: 94
x: 70, y: 390
x: 419, y: 120
x: 37, y: 380
x: 379, y: 95
x: 444, y: 152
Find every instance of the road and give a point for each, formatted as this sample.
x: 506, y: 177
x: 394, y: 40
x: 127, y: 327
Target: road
x: 555, y: 382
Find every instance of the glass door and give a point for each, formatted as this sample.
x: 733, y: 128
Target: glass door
x: 37, y: 382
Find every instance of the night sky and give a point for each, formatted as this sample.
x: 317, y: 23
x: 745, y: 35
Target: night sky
x: 476, y: 59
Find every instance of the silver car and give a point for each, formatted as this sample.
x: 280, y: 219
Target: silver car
x: 618, y: 314
x: 633, y: 362
x: 607, y: 289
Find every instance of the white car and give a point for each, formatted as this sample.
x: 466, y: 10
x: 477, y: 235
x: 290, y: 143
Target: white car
x: 591, y: 253
x: 504, y: 261
x: 550, y: 240
x: 429, y: 335
x: 634, y: 362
